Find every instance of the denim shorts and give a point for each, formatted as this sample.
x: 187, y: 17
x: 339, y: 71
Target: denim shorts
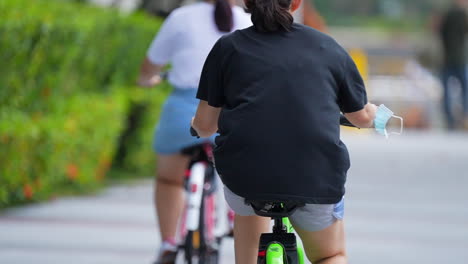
x: 312, y: 217
x: 172, y: 133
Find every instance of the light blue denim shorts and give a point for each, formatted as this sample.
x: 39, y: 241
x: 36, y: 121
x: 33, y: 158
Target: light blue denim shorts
x: 312, y: 217
x: 172, y: 133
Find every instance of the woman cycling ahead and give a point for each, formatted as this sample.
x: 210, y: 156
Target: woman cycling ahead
x: 275, y: 92
x: 185, y: 39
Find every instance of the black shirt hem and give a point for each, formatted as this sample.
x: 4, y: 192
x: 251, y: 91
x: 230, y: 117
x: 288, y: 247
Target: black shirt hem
x: 293, y: 198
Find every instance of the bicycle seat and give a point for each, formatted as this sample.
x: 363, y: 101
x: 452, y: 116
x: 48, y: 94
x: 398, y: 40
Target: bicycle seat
x: 275, y: 208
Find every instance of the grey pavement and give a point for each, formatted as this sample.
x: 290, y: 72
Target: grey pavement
x: 406, y: 203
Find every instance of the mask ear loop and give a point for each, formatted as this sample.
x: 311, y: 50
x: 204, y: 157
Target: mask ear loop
x: 386, y: 133
x: 401, y: 126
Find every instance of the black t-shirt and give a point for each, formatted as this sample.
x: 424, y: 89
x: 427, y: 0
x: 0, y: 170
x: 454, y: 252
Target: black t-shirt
x: 281, y: 95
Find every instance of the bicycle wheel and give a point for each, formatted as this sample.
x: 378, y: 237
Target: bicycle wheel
x: 191, y: 247
x: 198, y: 251
x: 208, y: 255
x: 213, y: 253
x: 195, y: 245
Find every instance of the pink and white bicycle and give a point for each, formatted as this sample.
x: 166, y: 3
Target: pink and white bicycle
x: 205, y: 221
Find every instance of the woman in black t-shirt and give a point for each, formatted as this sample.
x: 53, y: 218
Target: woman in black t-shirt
x: 275, y: 92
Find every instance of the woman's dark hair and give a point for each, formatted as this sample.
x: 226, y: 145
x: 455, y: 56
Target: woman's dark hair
x: 270, y: 15
x: 223, y: 16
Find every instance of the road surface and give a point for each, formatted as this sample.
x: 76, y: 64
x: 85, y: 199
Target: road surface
x: 406, y: 203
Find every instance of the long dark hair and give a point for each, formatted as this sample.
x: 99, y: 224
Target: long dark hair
x: 270, y: 15
x: 223, y: 16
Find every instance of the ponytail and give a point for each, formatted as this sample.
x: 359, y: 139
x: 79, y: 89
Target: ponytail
x: 223, y: 16
x: 270, y: 15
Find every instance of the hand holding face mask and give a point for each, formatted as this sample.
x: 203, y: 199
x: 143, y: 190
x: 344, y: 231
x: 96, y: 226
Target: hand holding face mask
x: 382, y: 117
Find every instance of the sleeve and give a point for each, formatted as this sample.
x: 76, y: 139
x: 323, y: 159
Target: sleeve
x: 162, y: 47
x: 211, y: 87
x: 352, y: 94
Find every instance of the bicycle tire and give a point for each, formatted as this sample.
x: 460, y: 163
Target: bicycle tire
x: 188, y: 247
x: 196, y: 248
x: 210, y: 257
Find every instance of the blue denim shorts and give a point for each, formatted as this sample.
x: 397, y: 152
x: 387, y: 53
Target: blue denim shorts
x: 172, y: 133
x: 312, y: 217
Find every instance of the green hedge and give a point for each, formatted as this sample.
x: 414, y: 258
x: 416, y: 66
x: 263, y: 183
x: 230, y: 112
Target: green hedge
x: 60, y: 49
x: 40, y: 154
x: 66, y: 91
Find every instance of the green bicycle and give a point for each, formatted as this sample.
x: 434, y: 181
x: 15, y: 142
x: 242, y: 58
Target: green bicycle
x: 280, y: 246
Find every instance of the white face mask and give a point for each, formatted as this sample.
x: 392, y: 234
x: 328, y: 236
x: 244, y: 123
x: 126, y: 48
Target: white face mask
x: 382, y: 117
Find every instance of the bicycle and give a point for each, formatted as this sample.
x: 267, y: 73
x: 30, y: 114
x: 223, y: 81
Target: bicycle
x: 204, y: 223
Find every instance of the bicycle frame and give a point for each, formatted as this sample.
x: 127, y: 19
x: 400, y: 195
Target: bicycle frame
x: 194, y: 196
x: 280, y: 246
x: 300, y: 247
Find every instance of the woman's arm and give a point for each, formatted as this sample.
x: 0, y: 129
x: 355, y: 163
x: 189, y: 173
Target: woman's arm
x: 363, y: 118
x: 205, y: 121
x: 149, y: 74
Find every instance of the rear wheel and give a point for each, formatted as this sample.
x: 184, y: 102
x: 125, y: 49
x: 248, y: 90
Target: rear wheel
x: 213, y: 256
x: 201, y: 246
x: 189, y: 247
x: 196, y: 253
x: 210, y: 254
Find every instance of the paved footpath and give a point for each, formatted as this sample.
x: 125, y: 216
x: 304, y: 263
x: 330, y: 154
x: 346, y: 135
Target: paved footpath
x: 406, y: 203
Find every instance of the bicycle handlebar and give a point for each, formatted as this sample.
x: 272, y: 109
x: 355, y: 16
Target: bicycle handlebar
x: 345, y: 122
x: 193, y: 132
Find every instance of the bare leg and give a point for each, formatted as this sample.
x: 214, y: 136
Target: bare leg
x: 169, y: 192
x: 247, y: 231
x: 326, y: 246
